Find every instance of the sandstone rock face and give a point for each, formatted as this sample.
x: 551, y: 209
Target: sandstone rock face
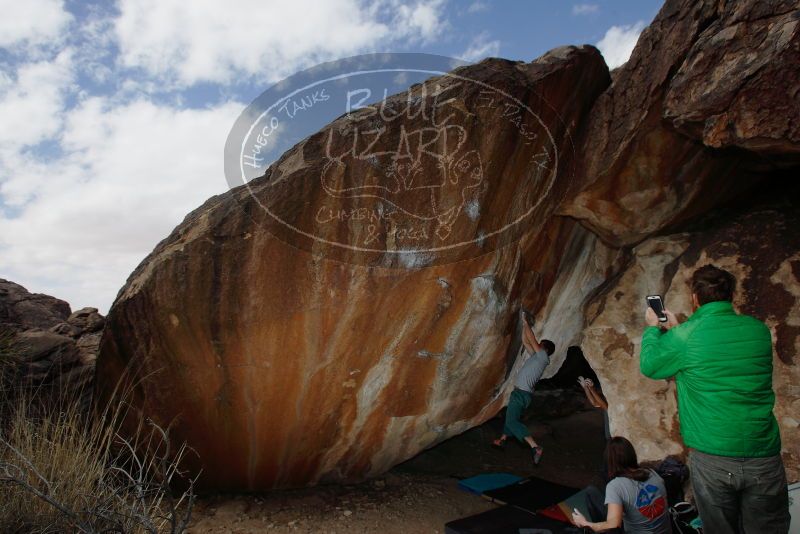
x: 53, y: 349
x: 748, y: 56
x: 636, y: 172
x: 762, y: 249
x: 286, y: 368
x: 21, y: 310
x: 286, y: 359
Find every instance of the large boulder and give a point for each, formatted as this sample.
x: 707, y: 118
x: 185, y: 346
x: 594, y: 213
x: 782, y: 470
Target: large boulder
x: 283, y: 361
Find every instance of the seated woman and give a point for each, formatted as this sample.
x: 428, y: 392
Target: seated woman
x: 636, y: 497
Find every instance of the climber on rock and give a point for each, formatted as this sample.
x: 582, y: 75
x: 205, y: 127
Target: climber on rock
x: 532, y: 370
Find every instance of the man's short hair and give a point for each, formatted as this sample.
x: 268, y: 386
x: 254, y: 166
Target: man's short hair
x: 711, y: 284
x: 549, y: 346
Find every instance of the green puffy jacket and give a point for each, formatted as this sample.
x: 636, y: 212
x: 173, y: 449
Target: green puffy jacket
x: 722, y: 364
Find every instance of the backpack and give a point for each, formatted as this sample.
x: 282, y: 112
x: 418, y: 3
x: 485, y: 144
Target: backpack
x: 675, y: 474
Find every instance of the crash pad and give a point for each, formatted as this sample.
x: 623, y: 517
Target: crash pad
x: 508, y: 519
x: 531, y: 494
x: 487, y: 482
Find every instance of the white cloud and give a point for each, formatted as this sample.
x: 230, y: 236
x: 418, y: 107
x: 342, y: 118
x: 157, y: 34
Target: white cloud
x: 585, y: 9
x: 618, y: 43
x: 128, y: 176
x: 481, y: 47
x: 31, y: 103
x: 423, y: 19
x: 31, y: 22
x: 209, y: 41
x: 477, y: 7
x: 95, y: 169
x: 94, y: 50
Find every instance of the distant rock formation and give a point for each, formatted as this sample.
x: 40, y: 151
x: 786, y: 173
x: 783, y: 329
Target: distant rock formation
x: 53, y: 350
x: 286, y: 361
x: 20, y: 310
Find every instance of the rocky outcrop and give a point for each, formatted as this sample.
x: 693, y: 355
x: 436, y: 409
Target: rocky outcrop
x: 356, y: 304
x: 748, y: 56
x: 22, y: 310
x: 761, y: 247
x: 49, y: 349
x: 697, y: 81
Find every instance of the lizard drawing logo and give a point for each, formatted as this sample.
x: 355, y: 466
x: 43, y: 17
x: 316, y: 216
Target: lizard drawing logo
x: 429, y: 174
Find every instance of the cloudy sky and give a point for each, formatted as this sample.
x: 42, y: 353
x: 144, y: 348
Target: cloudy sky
x: 113, y: 115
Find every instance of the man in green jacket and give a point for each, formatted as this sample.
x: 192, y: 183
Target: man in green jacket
x: 722, y: 364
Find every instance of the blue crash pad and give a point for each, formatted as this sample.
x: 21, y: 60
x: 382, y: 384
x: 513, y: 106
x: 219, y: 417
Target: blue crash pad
x: 488, y: 481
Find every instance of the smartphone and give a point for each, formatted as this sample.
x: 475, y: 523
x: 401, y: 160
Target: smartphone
x: 655, y: 302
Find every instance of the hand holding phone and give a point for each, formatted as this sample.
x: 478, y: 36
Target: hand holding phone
x: 657, y: 305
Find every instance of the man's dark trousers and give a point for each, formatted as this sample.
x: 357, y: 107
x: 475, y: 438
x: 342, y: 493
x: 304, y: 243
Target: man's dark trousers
x: 736, y: 495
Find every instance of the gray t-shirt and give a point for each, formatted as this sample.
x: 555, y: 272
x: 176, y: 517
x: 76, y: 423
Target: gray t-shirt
x: 532, y: 371
x: 644, y: 504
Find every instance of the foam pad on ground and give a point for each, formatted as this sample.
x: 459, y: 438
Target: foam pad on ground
x: 563, y: 510
x: 487, y: 482
x: 531, y: 494
x: 507, y: 520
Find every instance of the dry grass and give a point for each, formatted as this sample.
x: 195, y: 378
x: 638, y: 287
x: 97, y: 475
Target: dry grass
x: 64, y: 470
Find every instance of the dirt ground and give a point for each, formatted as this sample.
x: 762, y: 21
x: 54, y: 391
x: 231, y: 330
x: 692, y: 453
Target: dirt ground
x: 418, y: 496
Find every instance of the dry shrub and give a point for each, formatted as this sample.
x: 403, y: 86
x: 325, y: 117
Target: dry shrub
x: 65, y: 470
